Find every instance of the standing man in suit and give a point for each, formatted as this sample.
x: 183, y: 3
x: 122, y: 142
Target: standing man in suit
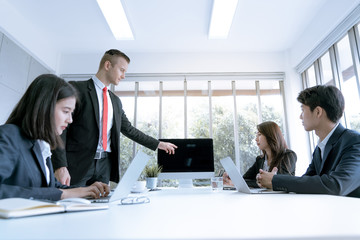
x: 335, y: 167
x: 92, y: 141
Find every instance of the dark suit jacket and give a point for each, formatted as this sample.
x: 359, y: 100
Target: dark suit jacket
x: 288, y: 162
x: 338, y: 174
x: 22, y: 170
x: 82, y: 136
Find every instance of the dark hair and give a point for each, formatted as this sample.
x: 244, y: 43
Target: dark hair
x: 276, y: 141
x: 327, y: 97
x: 112, y: 55
x: 35, y: 112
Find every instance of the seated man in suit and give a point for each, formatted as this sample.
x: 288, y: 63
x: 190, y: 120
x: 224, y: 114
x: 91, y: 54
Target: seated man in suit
x: 335, y: 167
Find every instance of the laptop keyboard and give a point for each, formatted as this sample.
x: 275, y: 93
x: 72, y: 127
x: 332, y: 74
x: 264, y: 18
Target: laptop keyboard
x: 100, y: 200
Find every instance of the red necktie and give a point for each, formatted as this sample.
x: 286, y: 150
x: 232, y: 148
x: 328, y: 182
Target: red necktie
x: 105, y: 118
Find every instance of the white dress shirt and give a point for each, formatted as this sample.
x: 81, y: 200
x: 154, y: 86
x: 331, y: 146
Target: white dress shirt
x: 45, y: 152
x: 323, y: 143
x: 99, y: 91
x: 266, y: 167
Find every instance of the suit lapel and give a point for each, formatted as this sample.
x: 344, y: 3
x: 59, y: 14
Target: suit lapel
x: 39, y: 158
x: 52, y: 177
x: 329, y: 146
x: 116, y: 109
x: 261, y: 163
x: 94, y: 100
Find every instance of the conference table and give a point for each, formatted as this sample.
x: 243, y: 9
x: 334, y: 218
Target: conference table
x: 200, y: 213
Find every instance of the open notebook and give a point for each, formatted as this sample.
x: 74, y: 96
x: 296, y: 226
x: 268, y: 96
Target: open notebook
x: 22, y: 207
x: 239, y: 181
x: 131, y: 175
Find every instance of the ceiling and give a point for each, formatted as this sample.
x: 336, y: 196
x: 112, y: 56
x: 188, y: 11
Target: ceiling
x: 170, y: 25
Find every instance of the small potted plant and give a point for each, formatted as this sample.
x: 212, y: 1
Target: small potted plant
x: 151, y: 174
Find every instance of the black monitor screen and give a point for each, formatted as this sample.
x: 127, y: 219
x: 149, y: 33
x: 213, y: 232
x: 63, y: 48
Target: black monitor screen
x: 192, y: 155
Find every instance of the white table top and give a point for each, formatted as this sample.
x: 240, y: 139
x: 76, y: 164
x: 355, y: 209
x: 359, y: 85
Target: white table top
x: 200, y: 213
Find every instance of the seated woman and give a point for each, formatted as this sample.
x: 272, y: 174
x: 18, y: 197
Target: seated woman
x: 275, y: 154
x: 32, y: 130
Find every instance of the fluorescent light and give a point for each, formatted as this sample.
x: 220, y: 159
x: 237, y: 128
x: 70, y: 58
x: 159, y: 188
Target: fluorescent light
x: 221, y: 18
x: 116, y: 18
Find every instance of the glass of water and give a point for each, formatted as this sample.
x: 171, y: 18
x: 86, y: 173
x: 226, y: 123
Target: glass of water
x: 217, y: 184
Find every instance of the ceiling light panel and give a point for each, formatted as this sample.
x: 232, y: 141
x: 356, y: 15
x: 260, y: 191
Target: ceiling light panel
x: 116, y: 18
x: 221, y: 18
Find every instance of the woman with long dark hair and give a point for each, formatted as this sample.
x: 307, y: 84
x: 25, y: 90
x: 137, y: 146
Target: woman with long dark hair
x: 26, y: 140
x: 275, y: 154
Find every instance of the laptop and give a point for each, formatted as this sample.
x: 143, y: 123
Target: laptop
x: 239, y: 181
x: 126, y: 183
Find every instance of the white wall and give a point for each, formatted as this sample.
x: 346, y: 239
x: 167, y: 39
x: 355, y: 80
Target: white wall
x: 28, y: 36
x: 17, y: 70
x: 321, y: 26
x: 298, y: 137
x: 179, y: 62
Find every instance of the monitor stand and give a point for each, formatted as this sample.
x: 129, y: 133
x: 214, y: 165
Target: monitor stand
x: 185, y: 183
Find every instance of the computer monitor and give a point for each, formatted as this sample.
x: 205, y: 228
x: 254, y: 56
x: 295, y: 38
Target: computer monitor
x: 193, y: 159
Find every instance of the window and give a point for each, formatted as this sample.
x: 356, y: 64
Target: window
x: 311, y: 76
x: 202, y: 109
x: 173, y: 110
x: 247, y: 118
x: 337, y: 68
x: 125, y: 91
x: 326, y: 70
x: 222, y: 121
x: 349, y: 84
x: 271, y: 102
x: 198, y: 114
x: 147, y: 113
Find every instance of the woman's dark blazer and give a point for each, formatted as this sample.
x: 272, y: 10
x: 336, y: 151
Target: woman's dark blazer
x: 22, y: 170
x: 289, y: 162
